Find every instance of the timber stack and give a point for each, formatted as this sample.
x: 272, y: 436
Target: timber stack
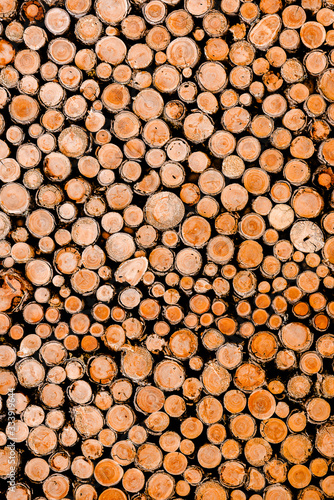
x: 166, y: 249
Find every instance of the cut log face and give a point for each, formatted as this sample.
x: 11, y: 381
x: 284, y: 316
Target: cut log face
x: 166, y: 249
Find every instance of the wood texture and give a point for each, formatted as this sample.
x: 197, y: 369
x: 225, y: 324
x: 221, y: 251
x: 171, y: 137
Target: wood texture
x: 166, y: 249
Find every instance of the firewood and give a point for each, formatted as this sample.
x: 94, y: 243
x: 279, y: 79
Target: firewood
x: 167, y: 249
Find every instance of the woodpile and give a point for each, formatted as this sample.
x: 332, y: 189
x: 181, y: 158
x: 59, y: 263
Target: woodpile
x: 167, y: 249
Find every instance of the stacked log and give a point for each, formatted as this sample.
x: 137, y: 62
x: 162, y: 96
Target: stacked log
x: 166, y: 249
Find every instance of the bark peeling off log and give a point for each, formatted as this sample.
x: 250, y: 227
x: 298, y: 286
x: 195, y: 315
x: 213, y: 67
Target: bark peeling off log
x: 14, y: 291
